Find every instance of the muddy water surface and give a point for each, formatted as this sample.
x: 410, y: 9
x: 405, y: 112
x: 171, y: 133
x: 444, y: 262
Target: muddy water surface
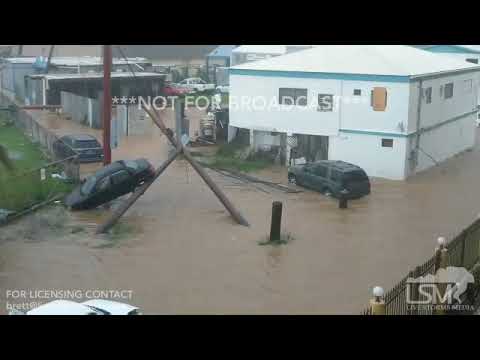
x: 188, y: 256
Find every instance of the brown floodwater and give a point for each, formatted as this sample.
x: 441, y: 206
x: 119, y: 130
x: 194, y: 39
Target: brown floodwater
x: 187, y: 256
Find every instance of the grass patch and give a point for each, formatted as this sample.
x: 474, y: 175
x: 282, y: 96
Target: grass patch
x: 23, y: 153
x: 238, y: 164
x: 230, y: 157
x: 284, y: 239
x: 23, y: 188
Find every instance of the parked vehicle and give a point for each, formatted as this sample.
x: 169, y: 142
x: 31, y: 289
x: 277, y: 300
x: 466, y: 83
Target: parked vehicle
x: 90, y: 307
x: 478, y: 119
x: 171, y: 89
x: 333, y: 178
x: 110, y: 182
x: 86, y: 146
x: 196, y: 85
x: 108, y: 307
x: 223, y: 89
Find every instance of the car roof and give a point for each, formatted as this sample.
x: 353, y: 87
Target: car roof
x: 339, y: 165
x: 81, y: 137
x: 113, y: 307
x: 109, y: 169
x: 61, y: 307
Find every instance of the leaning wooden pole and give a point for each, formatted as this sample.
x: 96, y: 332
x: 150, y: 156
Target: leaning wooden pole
x: 198, y: 168
x: 118, y: 213
x: 216, y: 190
x: 122, y: 209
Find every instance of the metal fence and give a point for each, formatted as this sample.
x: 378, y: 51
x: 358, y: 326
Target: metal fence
x: 24, y: 189
x: 463, y: 251
x: 47, y: 139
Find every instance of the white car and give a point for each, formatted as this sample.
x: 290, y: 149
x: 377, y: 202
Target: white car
x: 108, y: 307
x: 90, y: 307
x: 224, y: 89
x: 195, y: 85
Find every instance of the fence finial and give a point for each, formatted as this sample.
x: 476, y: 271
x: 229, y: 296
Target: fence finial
x: 441, y: 242
x: 377, y: 304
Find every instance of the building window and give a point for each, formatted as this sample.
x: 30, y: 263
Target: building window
x: 357, y: 92
x: 474, y: 61
x: 290, y: 97
x: 379, y: 99
x: 325, y: 102
x: 428, y: 95
x: 387, y: 143
x: 448, y: 91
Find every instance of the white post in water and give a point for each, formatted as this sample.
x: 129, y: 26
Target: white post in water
x: 377, y: 304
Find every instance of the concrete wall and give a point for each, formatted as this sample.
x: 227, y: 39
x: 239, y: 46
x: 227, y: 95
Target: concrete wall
x: 449, y: 124
x: 249, y: 94
x: 443, y: 143
x: 367, y: 152
x: 349, y: 111
x: 441, y: 109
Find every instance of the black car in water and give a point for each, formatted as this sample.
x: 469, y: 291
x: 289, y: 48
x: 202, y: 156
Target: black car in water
x: 86, y: 146
x: 109, y: 183
x: 335, y: 178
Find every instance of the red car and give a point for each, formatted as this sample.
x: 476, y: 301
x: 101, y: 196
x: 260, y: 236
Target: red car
x: 171, y: 90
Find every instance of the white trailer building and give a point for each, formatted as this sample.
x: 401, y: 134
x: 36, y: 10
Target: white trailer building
x: 393, y: 110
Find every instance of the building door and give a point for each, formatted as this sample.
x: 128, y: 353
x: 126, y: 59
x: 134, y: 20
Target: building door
x: 311, y: 147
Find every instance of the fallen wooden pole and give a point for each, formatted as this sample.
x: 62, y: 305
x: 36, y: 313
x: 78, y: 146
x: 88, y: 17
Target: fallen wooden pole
x: 216, y: 190
x: 118, y: 213
x: 122, y: 209
x: 198, y: 168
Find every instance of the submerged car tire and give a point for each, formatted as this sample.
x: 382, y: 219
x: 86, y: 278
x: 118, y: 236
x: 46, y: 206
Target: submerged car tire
x: 292, y: 179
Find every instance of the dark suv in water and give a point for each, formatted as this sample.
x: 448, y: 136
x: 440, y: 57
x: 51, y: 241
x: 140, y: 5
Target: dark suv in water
x: 335, y: 178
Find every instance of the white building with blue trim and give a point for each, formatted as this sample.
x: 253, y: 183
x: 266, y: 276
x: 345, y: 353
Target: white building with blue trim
x: 393, y: 110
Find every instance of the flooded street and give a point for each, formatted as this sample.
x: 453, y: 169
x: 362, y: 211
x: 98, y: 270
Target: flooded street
x: 187, y: 256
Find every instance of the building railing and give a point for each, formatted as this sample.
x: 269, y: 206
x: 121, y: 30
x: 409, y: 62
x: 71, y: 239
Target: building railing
x: 463, y: 251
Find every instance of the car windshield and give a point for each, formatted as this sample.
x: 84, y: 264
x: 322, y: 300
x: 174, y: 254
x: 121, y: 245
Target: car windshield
x: 86, y: 144
x: 89, y: 185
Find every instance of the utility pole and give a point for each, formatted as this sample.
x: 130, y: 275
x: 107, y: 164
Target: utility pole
x: 107, y: 103
x: 50, y: 54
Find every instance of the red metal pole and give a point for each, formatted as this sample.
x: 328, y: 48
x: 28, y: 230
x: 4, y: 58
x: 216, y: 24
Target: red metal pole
x: 107, y: 103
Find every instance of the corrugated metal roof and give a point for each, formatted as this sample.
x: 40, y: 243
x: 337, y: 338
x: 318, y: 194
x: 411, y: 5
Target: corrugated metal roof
x: 222, y: 51
x: 398, y: 60
x: 268, y: 49
x: 85, y: 76
x: 261, y: 49
x: 465, y: 48
x: 75, y: 60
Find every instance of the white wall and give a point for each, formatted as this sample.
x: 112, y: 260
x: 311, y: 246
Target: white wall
x: 350, y: 112
x: 443, y: 143
x: 442, y: 109
x: 357, y: 112
x: 367, y: 152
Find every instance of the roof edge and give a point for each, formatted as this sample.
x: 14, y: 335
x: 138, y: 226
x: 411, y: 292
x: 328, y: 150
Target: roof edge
x: 320, y: 75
